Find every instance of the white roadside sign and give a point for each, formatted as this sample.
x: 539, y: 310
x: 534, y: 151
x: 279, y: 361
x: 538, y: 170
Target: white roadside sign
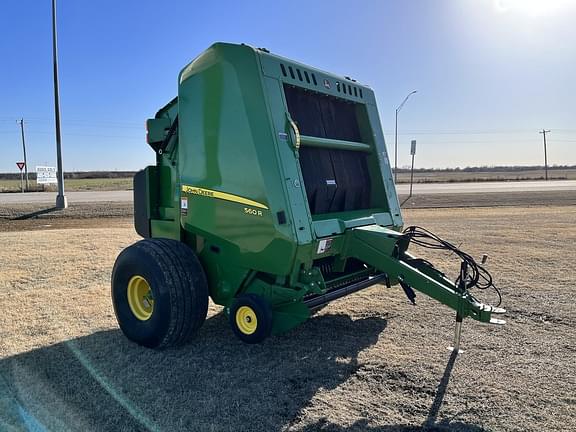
x: 46, y: 175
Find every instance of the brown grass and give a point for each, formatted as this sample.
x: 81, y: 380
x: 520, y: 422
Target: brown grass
x: 438, y: 176
x: 88, y: 184
x: 369, y: 362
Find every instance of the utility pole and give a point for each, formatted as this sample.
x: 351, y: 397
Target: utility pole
x: 24, y: 148
x: 61, y: 201
x: 544, y: 132
x: 396, y: 136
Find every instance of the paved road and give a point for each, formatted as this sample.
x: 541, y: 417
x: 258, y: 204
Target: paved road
x: 73, y: 197
x: 419, y: 189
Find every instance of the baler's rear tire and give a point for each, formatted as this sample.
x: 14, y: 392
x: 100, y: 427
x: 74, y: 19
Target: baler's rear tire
x: 159, y: 293
x: 251, y: 318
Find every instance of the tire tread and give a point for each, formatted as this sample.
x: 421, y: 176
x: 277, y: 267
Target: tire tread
x: 188, y: 289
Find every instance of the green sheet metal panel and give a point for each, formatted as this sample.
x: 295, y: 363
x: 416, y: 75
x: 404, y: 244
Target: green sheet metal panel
x: 229, y: 171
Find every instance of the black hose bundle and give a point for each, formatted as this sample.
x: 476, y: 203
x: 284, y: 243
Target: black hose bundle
x: 478, y: 276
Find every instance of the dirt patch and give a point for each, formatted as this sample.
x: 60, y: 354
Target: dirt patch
x: 31, y: 217
x: 72, y: 184
x: 368, y: 362
x: 22, y: 212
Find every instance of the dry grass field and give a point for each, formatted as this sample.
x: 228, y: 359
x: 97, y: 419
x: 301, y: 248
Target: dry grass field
x: 436, y: 176
x: 96, y: 184
x: 369, y: 362
x: 439, y: 176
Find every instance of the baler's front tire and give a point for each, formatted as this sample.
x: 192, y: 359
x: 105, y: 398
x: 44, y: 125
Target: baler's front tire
x: 251, y: 318
x: 159, y: 293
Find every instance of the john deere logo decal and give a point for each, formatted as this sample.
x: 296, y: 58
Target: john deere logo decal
x: 326, y: 83
x: 209, y: 193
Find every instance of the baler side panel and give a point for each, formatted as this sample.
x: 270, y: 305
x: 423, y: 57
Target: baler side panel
x: 227, y: 156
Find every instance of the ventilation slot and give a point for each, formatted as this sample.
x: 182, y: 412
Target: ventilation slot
x: 360, y: 90
x: 338, y: 86
x: 301, y: 74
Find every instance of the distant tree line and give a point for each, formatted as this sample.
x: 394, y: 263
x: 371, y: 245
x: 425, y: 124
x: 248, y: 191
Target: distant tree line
x: 486, y: 168
x: 75, y: 175
x: 127, y: 174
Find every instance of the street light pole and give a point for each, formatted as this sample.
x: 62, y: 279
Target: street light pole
x: 396, y: 136
x: 396, y: 149
x: 61, y: 201
x: 544, y: 132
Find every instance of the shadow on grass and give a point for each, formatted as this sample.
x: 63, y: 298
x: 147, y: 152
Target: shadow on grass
x: 430, y: 425
x: 364, y: 426
x: 36, y: 213
x: 215, y: 383
x: 405, y: 200
x: 104, y: 382
x: 441, y: 390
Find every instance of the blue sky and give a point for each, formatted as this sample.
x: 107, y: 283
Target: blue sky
x: 489, y: 74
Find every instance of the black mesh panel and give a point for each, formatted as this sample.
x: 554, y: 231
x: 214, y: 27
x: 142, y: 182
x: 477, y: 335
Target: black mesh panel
x: 335, y: 180
x: 321, y: 115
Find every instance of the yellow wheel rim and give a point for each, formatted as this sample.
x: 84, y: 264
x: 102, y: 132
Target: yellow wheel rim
x: 140, y: 298
x: 246, y: 320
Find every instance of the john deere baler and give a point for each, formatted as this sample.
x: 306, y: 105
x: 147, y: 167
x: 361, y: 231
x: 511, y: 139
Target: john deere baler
x: 273, y: 195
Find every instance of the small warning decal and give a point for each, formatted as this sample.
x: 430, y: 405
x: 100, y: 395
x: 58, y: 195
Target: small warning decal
x: 324, y: 246
x: 184, y: 205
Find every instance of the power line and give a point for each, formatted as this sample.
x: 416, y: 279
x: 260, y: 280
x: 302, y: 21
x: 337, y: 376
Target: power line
x: 476, y: 132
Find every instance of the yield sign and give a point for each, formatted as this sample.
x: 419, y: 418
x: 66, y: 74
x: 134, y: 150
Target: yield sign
x: 20, y: 165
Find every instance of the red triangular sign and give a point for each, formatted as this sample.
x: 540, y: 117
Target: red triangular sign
x: 20, y: 165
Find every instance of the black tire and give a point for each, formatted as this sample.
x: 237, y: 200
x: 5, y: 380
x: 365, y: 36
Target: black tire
x: 179, y: 291
x: 261, y: 309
